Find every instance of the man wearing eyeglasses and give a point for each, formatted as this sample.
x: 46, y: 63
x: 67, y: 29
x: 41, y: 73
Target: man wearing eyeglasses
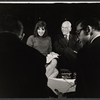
x: 67, y: 46
x: 88, y: 59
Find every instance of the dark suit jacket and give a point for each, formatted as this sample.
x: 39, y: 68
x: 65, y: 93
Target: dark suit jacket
x: 88, y: 71
x: 65, y: 49
x: 22, y: 69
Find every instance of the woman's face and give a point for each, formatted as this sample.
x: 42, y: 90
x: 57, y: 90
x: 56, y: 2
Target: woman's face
x: 41, y: 31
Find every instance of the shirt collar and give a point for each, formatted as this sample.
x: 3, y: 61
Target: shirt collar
x: 67, y: 35
x: 94, y: 38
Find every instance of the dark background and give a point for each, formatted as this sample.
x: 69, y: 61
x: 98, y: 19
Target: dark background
x: 52, y: 14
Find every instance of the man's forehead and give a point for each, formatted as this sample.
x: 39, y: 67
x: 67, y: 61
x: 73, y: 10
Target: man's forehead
x: 66, y: 24
x: 79, y: 26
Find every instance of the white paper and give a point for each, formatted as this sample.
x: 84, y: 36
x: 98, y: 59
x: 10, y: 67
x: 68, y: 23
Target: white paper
x: 62, y: 85
x: 51, y: 56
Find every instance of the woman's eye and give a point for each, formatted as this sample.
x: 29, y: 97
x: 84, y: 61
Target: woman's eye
x: 43, y: 29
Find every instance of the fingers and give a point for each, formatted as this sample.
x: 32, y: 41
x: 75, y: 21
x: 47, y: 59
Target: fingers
x: 60, y: 94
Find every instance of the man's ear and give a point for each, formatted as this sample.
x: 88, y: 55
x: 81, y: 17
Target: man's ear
x: 89, y: 30
x: 70, y: 28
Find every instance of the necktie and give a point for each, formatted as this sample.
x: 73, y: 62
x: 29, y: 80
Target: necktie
x: 67, y: 39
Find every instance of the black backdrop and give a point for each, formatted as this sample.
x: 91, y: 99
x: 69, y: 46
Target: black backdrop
x: 53, y: 14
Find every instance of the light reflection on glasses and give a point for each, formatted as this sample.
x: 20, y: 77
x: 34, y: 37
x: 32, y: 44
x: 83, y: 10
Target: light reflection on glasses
x: 64, y: 27
x: 79, y: 31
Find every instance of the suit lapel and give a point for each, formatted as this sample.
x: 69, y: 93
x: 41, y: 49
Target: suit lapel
x: 70, y: 40
x: 64, y: 42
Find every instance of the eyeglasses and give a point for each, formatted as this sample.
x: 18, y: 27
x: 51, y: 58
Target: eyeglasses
x: 64, y: 27
x: 79, y: 31
x: 21, y: 36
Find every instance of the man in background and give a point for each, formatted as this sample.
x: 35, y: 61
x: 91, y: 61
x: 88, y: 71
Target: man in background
x: 67, y: 46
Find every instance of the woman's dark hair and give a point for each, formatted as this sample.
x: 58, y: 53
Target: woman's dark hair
x: 40, y: 24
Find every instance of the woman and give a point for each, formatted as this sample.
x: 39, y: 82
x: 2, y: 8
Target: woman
x: 42, y: 42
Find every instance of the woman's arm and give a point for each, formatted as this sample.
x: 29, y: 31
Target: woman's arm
x: 50, y: 46
x: 30, y: 41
